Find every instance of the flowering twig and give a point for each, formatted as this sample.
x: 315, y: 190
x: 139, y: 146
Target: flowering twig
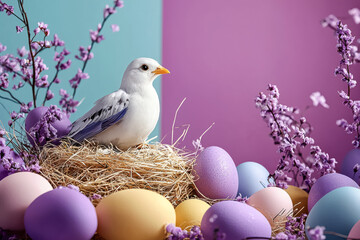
x: 349, y: 55
x: 291, y: 136
x: 95, y: 37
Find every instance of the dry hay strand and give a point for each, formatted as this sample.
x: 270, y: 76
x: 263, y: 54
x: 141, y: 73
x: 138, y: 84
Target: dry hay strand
x: 104, y: 170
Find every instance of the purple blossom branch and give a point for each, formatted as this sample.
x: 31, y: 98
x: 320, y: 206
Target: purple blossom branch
x: 344, y: 44
x: 29, y: 66
x: 349, y: 55
x: 11, y: 70
x: 291, y: 136
x: 95, y: 37
x: 51, y: 83
x: 26, y: 23
x: 11, y: 11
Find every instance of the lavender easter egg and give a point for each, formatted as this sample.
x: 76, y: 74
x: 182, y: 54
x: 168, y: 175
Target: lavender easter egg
x: 12, y: 157
x: 326, y: 184
x: 62, y: 126
x: 234, y: 220
x: 61, y: 214
x: 215, y: 174
x: 347, y: 165
x: 17, y: 191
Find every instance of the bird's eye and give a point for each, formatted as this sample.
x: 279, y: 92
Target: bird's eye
x: 144, y: 67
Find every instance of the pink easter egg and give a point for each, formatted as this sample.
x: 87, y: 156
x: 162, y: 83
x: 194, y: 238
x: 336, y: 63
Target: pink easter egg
x: 274, y: 203
x: 17, y: 191
x: 355, y: 231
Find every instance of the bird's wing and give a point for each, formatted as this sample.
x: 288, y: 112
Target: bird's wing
x: 107, y: 111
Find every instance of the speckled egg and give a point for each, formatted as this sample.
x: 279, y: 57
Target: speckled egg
x: 274, y: 203
x: 234, y: 220
x: 135, y: 214
x: 17, y: 191
x: 59, y: 214
x: 215, y: 174
x: 190, y: 212
x: 62, y: 126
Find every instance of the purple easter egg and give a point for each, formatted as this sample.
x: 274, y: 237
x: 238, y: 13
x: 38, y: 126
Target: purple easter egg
x: 215, y: 174
x: 60, y: 214
x: 234, y: 220
x: 62, y: 126
x: 12, y: 156
x: 326, y: 184
x: 347, y: 165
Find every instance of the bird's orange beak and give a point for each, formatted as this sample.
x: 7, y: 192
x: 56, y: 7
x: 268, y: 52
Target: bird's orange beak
x: 161, y: 70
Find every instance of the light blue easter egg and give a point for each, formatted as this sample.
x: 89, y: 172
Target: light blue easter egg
x: 337, y: 211
x: 252, y: 178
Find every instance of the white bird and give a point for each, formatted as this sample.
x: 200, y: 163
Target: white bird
x: 126, y: 117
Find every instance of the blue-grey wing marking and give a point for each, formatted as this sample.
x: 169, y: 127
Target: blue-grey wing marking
x: 97, y: 127
x: 106, y: 112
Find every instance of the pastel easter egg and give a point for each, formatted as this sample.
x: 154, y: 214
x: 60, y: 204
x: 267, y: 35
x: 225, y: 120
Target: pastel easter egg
x: 355, y: 231
x: 347, y: 165
x: 59, y: 214
x: 328, y: 183
x: 274, y: 203
x: 135, y: 214
x: 299, y: 199
x: 190, y: 212
x: 234, y: 220
x: 62, y: 126
x: 215, y: 174
x: 17, y: 191
x: 337, y: 211
x: 252, y: 178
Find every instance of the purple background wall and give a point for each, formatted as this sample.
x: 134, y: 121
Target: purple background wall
x: 221, y: 54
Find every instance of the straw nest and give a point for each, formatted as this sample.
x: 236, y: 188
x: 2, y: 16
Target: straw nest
x: 103, y: 170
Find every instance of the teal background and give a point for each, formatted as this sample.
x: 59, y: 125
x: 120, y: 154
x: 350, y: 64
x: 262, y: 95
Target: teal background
x: 140, y: 35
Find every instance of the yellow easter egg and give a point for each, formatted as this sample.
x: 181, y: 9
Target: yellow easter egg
x: 190, y: 213
x: 299, y: 199
x: 134, y: 214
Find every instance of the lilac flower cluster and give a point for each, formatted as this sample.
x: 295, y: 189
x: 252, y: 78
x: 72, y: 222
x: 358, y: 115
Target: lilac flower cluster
x: 13, y: 162
x: 67, y: 103
x: 176, y: 233
x: 10, y: 161
x: 317, y: 233
x: 349, y: 56
x: 28, y: 68
x: 292, y: 134
x: 294, y: 229
x: 43, y: 131
x: 241, y: 199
